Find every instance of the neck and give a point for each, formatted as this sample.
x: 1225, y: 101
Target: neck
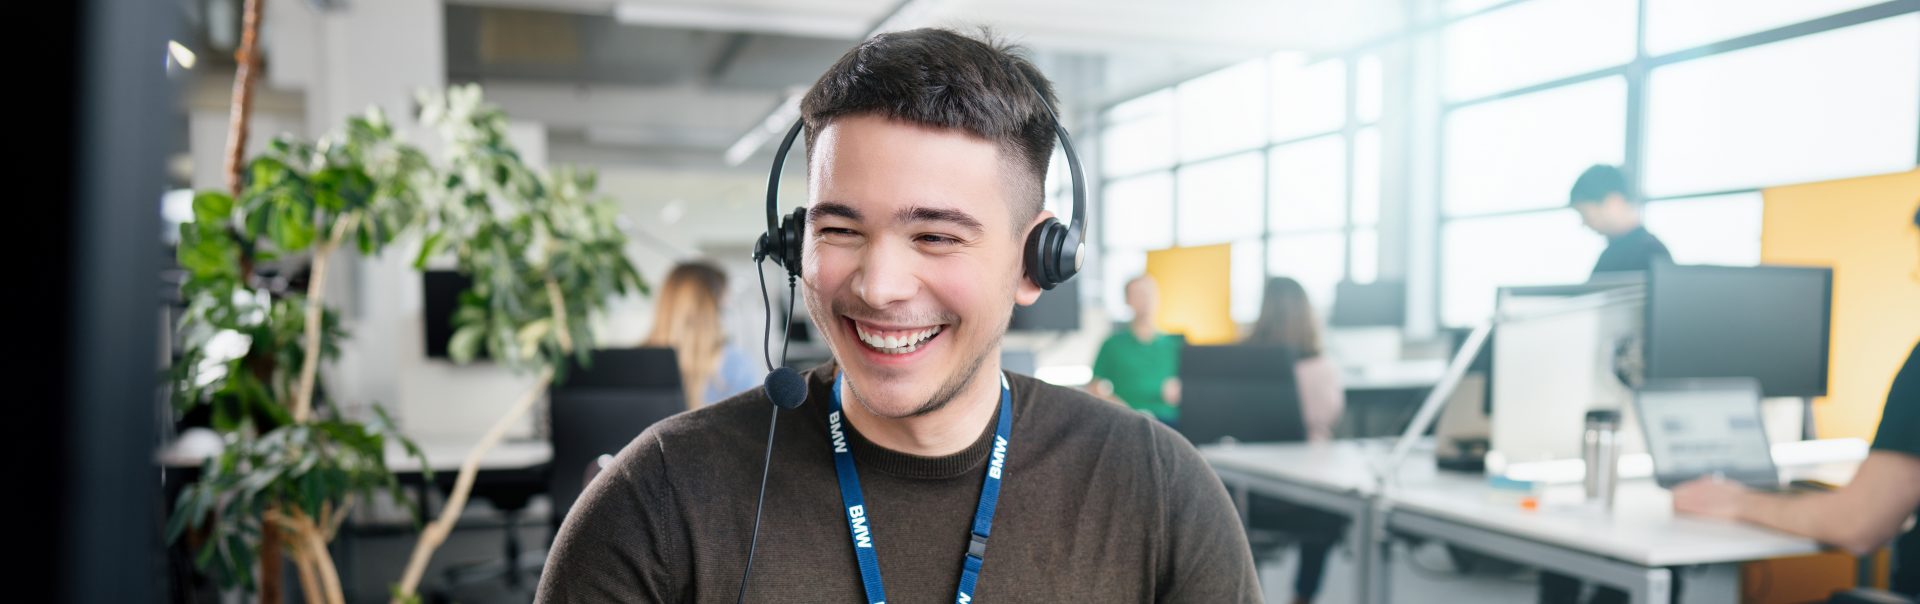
x: 946, y: 431
x: 1143, y: 328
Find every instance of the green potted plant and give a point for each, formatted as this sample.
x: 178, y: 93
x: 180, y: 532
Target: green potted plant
x: 543, y: 250
x: 290, y: 470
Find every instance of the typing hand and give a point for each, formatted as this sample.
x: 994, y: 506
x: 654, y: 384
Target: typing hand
x: 1710, y: 497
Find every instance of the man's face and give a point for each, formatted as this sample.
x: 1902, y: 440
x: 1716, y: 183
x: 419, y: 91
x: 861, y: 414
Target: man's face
x: 1143, y: 296
x: 1610, y: 216
x: 912, y: 264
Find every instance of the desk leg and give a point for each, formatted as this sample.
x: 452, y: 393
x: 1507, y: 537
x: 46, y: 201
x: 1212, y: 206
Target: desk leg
x: 1656, y: 588
x: 1715, y: 584
x: 1376, y: 552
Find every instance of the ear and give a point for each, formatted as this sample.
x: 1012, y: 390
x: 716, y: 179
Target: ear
x: 1026, y: 292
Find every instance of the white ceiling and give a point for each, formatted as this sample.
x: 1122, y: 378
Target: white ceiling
x: 671, y: 83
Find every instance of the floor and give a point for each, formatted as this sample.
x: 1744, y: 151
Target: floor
x: 1435, y: 579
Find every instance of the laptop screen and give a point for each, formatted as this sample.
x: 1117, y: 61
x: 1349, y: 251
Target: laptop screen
x: 1697, y: 428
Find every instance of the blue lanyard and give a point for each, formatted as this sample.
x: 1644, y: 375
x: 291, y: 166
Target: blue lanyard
x: 856, y: 503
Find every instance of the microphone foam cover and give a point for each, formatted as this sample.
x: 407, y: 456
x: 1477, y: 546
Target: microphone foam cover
x: 786, y: 388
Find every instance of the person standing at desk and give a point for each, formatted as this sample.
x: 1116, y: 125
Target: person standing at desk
x: 1139, y: 365
x: 1607, y: 205
x: 1860, y: 517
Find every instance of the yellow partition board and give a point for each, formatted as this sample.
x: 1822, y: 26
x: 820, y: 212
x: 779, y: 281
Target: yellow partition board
x: 1195, y: 292
x: 1863, y: 228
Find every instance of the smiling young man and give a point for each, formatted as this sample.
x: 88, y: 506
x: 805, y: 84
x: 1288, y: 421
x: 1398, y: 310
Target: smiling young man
x: 926, y: 156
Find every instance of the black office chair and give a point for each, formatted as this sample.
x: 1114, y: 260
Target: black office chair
x: 1248, y: 394
x: 601, y: 409
x: 596, y: 411
x: 1241, y: 393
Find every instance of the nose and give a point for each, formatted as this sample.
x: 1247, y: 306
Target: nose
x: 887, y: 274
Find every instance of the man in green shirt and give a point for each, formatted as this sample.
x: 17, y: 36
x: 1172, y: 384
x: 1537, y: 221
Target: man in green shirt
x: 1139, y: 365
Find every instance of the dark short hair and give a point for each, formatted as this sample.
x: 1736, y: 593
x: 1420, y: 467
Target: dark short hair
x: 1599, y: 181
x: 938, y: 78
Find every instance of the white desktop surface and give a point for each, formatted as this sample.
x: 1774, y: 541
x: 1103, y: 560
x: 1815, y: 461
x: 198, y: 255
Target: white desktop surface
x: 443, y: 455
x: 1343, y: 466
x: 1641, y: 529
x: 446, y: 456
x: 1398, y: 375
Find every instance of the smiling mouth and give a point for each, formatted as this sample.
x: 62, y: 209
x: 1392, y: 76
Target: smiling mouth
x: 894, y: 341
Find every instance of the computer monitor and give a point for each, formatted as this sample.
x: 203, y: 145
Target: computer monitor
x: 1706, y: 427
x: 440, y: 292
x: 1058, y: 309
x: 1768, y: 323
x: 1245, y: 392
x: 1377, y: 304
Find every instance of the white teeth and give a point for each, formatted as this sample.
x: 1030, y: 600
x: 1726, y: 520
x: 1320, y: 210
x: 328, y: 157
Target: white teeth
x: 901, y: 344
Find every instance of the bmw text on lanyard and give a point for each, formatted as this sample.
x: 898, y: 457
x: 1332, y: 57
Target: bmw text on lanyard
x: 862, y: 531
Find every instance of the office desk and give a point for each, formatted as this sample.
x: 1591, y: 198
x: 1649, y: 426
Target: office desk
x: 1633, y: 547
x: 1336, y: 477
x: 1382, y: 398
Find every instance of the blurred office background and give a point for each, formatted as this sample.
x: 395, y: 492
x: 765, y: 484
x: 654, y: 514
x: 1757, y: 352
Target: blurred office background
x: 1403, y: 160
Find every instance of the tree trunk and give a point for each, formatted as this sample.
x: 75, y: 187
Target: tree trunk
x: 249, y: 60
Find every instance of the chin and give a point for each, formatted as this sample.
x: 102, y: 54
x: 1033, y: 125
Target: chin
x: 900, y: 371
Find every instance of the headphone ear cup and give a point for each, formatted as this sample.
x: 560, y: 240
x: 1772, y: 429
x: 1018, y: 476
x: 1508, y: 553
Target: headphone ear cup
x: 1043, y: 253
x: 787, y: 251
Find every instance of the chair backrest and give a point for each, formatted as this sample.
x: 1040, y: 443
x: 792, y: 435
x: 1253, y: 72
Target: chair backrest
x: 602, y: 408
x: 1243, y: 392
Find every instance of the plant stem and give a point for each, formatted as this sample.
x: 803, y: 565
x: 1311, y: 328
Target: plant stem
x: 248, y: 61
x: 316, y: 293
x: 559, y: 304
x: 436, y: 532
x: 323, y: 561
x: 309, y: 578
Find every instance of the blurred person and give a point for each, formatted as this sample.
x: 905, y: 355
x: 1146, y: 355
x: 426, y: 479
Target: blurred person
x: 1287, y: 320
x: 1870, y: 511
x: 926, y: 156
x: 1607, y: 205
x: 1140, y: 365
x: 686, y: 318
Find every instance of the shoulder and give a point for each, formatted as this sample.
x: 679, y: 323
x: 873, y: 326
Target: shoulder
x: 707, y: 439
x: 1101, y: 427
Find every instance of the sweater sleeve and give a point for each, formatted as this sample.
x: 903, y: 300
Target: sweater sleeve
x: 1205, y: 557
x: 1322, y: 396
x: 624, y: 540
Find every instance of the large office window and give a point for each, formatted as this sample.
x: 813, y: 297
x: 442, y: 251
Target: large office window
x: 1704, y: 102
x: 1731, y: 96
x: 1534, y: 42
x: 1276, y: 157
x: 1521, y: 153
x: 1840, y: 103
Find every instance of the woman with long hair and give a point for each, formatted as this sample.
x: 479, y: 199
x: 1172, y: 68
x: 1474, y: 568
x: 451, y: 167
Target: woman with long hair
x: 1287, y: 319
x: 686, y: 318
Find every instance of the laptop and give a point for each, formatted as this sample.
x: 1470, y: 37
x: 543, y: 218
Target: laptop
x: 1706, y: 427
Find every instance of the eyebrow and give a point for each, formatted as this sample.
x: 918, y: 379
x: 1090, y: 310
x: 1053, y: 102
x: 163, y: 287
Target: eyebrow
x: 947, y: 215
x: 906, y: 215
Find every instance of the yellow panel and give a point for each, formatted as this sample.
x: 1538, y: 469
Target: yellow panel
x: 1194, y: 294
x: 1863, y: 228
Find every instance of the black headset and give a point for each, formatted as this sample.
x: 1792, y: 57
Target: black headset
x: 1053, y: 251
